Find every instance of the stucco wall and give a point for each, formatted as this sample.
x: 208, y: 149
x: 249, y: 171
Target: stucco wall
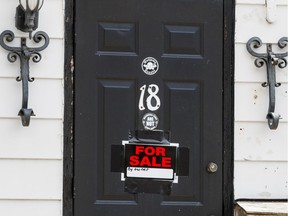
x: 31, y: 158
x: 260, y: 153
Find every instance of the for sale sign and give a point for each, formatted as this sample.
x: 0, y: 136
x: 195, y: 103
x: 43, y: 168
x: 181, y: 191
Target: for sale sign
x: 150, y: 161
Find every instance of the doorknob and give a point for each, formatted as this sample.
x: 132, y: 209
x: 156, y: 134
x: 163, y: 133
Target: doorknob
x: 212, y: 167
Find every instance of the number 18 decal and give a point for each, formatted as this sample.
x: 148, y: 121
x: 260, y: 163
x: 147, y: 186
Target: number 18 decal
x: 152, y: 98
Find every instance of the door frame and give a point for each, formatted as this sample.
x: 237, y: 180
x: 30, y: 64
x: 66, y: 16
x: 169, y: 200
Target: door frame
x: 228, y: 108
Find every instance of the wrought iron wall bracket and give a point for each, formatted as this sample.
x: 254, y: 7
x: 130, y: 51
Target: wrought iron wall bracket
x: 24, y: 53
x: 271, y: 60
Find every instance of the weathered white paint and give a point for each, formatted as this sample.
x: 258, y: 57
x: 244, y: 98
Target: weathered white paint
x: 45, y: 97
x: 261, y: 179
x: 251, y: 21
x: 45, y: 139
x: 254, y: 141
x: 31, y: 179
x: 252, y: 100
x: 261, y: 154
x: 31, y: 159
x: 260, y: 2
x: 30, y: 208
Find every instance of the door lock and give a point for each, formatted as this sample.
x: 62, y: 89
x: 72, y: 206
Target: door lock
x: 212, y: 167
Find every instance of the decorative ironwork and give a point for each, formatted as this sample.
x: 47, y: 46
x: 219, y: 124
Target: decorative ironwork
x: 24, y: 53
x: 271, y: 60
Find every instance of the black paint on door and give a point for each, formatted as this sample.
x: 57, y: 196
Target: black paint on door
x: 112, y: 38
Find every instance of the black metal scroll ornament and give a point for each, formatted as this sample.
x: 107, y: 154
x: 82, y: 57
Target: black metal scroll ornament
x: 24, y: 53
x: 271, y: 60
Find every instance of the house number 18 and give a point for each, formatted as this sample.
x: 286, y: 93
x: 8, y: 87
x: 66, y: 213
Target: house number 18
x: 153, y: 101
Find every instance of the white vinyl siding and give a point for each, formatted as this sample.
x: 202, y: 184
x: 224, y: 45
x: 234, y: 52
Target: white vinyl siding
x: 260, y: 153
x: 31, y: 207
x: 31, y: 158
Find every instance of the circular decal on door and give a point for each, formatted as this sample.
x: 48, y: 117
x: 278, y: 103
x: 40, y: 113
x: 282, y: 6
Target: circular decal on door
x: 150, y: 121
x: 150, y: 66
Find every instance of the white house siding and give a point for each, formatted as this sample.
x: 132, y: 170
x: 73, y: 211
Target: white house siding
x: 31, y: 158
x: 260, y: 153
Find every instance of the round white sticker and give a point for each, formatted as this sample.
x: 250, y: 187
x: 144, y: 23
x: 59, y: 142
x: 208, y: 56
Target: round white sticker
x: 150, y: 66
x: 150, y: 121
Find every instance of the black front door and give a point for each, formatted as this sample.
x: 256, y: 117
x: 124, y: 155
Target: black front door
x: 148, y: 65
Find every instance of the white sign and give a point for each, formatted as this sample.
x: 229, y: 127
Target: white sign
x: 150, y: 121
x: 145, y: 172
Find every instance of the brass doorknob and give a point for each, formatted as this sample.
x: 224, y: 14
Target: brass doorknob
x: 212, y: 167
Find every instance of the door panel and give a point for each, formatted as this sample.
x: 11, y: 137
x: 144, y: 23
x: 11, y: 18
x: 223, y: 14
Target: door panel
x: 112, y: 39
